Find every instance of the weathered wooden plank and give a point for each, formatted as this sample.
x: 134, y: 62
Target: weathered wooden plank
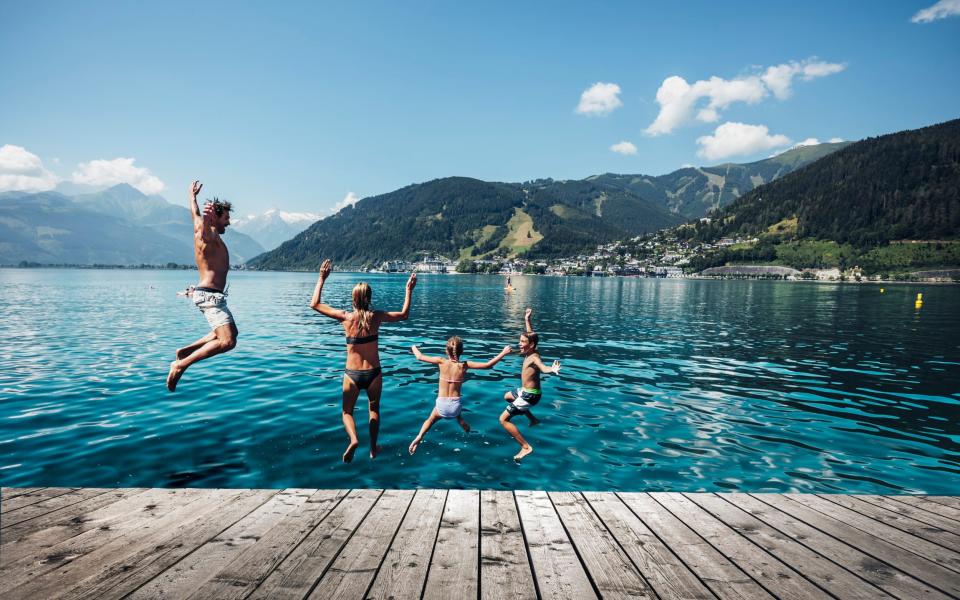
x: 774, y: 575
x: 613, y: 573
x: 951, y: 501
x: 33, y: 497
x: 355, y: 568
x: 920, y: 568
x: 930, y: 506
x: 241, y: 577
x: 812, y: 565
x: 913, y: 512
x: 403, y: 572
x: 54, y: 547
x: 69, y: 517
x: 505, y: 572
x: 723, y: 577
x: 932, y: 552
x: 8, y: 493
x: 665, y: 573
x: 892, y: 580
x: 454, y: 572
x: 201, y: 565
x: 149, y: 555
x: 556, y: 567
x: 301, y: 569
x: 50, y: 505
x: 931, y: 533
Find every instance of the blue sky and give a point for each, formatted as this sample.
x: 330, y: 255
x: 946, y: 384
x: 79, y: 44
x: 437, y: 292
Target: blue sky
x: 297, y: 105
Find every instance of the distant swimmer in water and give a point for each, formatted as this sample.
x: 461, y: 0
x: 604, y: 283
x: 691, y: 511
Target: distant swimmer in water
x: 453, y: 371
x: 187, y: 292
x: 362, y: 371
x: 509, y: 286
x: 528, y: 394
x: 213, y: 262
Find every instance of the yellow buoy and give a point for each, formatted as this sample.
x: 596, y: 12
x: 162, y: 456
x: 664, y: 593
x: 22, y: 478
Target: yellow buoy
x: 881, y: 290
x: 919, y: 297
x: 919, y: 301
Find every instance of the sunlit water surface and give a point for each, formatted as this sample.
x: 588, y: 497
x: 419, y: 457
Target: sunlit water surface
x: 666, y: 385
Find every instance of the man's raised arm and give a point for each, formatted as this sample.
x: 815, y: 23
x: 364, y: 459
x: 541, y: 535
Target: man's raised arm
x: 526, y: 319
x: 195, y: 188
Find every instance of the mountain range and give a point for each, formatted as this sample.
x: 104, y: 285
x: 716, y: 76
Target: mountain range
x: 273, y: 227
x: 117, y: 226
x: 465, y: 218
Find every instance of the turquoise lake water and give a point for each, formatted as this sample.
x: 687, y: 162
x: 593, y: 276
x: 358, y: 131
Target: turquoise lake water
x: 679, y: 385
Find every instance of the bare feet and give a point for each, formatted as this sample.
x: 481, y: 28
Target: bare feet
x: 413, y: 445
x: 174, y: 375
x: 374, y: 451
x: 348, y: 455
x: 523, y: 452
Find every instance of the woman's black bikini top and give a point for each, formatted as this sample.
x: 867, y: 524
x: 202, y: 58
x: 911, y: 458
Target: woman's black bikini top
x: 361, y: 339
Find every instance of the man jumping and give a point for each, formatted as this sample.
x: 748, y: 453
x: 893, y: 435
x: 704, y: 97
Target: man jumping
x: 213, y: 262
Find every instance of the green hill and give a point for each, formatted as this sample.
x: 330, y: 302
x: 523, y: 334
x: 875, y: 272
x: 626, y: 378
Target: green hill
x: 849, y: 207
x: 460, y: 217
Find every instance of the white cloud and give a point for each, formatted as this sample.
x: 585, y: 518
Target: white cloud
x: 835, y: 140
x: 349, y: 200
x: 681, y: 102
x: 807, y: 142
x: 624, y: 148
x: 940, y: 10
x: 23, y: 170
x: 600, y: 99
x: 118, y: 170
x: 779, y: 78
x: 738, y: 139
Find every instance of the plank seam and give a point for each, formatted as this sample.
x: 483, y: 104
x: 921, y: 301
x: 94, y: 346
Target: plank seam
x: 770, y: 554
x: 935, y: 501
x: 195, y: 548
x: 897, y: 499
x: 728, y: 558
x: 479, y: 544
x: 827, y: 558
x: 619, y: 545
x: 426, y: 576
x: 37, y: 501
x: 586, y: 569
x: 954, y: 550
x: 297, y: 545
x: 336, y: 554
x: 863, y: 550
x: 17, y: 492
x: 526, y: 547
x: 376, y: 573
x: 889, y: 541
x: 52, y: 511
x: 667, y: 546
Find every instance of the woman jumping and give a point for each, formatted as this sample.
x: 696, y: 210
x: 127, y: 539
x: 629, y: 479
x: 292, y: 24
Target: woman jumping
x: 362, y: 371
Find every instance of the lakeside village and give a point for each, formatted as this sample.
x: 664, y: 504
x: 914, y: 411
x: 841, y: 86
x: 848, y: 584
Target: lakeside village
x: 660, y: 256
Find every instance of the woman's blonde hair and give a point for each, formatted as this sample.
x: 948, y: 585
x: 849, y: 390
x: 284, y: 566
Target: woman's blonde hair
x: 362, y: 295
x: 454, y: 348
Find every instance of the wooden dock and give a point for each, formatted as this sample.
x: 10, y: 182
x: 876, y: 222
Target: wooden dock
x: 447, y: 544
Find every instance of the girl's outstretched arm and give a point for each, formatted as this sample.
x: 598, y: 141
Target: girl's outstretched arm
x: 391, y: 316
x: 555, y: 368
x: 478, y: 365
x: 433, y: 360
x: 316, y: 304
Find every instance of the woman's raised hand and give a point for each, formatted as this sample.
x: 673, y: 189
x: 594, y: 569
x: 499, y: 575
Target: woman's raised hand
x: 325, y: 269
x: 412, y: 282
